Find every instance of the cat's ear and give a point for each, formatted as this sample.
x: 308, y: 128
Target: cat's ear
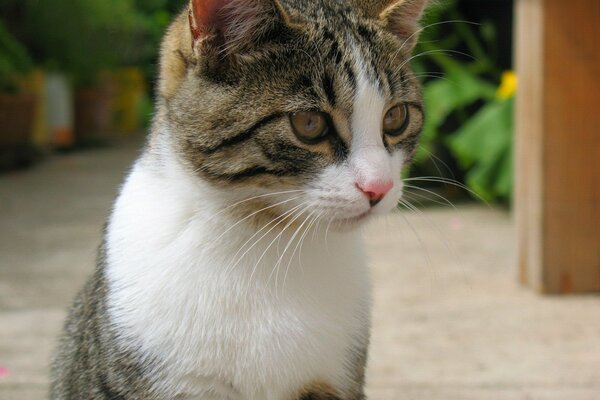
x: 400, y: 16
x: 231, y: 25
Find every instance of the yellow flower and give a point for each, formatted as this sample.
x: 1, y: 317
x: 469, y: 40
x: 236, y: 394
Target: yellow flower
x: 508, y: 86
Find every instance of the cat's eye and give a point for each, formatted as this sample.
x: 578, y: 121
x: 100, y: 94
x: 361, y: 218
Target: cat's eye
x: 310, y: 126
x: 395, y: 121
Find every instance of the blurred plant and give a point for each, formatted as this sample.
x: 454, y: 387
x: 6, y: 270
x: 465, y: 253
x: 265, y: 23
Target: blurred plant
x: 467, y: 117
x: 156, y: 15
x: 14, y: 62
x: 83, y: 37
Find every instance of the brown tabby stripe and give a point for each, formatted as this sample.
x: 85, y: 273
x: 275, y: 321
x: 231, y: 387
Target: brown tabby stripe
x: 283, y: 151
x: 351, y: 75
x: 107, y: 391
x: 320, y: 396
x: 241, y: 137
x: 252, y: 172
x: 366, y: 33
x: 334, y: 49
x: 417, y: 106
x: 329, y: 89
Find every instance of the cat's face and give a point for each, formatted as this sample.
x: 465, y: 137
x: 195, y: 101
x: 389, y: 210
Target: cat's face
x: 315, y: 99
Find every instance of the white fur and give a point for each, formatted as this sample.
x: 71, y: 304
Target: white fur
x: 219, y: 329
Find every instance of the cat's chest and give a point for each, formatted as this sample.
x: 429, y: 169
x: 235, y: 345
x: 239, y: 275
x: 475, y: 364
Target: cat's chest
x: 257, y: 346
x: 265, y: 352
x: 262, y: 324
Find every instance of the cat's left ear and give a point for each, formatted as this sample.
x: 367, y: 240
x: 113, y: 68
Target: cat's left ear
x: 230, y: 26
x: 400, y: 16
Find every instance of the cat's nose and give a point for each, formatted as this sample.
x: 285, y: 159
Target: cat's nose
x: 375, y: 191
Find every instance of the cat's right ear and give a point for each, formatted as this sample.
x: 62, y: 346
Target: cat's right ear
x: 401, y: 17
x: 225, y: 27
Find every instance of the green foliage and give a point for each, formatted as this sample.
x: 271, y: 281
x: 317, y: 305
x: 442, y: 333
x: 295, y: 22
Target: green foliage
x: 445, y: 97
x: 483, y: 146
x: 83, y: 37
x: 465, y: 116
x: 14, y: 61
x: 156, y: 15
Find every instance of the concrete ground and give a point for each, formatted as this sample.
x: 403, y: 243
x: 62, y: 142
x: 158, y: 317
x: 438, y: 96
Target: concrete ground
x: 450, y: 321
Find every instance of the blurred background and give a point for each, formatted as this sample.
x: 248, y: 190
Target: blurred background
x: 452, y: 318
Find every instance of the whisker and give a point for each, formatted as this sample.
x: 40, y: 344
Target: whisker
x: 289, y: 244
x: 448, y: 182
x: 236, y: 259
x: 456, y: 21
x: 276, y: 266
x: 314, y: 223
x: 252, y: 215
x: 431, y: 192
x: 312, y: 59
x: 440, y: 77
x: 421, y: 242
x: 212, y: 217
x: 439, y: 235
x: 306, y: 230
x: 437, y: 51
x: 287, y: 214
x: 421, y: 198
x: 412, y: 207
x: 318, y: 222
x: 435, y: 158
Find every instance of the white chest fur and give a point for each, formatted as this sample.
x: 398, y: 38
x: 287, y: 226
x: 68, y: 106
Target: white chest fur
x: 226, y: 330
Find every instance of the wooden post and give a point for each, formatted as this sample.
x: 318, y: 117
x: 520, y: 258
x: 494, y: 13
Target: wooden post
x: 557, y: 202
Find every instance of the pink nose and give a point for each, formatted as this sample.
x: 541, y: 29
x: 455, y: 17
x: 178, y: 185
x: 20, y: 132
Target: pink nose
x: 375, y: 191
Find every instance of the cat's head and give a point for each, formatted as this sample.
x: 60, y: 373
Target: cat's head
x: 314, y: 97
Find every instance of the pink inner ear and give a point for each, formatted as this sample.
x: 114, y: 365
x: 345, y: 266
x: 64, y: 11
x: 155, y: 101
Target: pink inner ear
x: 235, y: 22
x: 204, y: 16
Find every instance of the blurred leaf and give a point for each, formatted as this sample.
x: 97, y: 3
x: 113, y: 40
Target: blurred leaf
x: 84, y: 37
x: 458, y: 88
x: 14, y: 61
x: 488, y: 32
x: 432, y: 18
x: 468, y: 122
x: 483, y: 147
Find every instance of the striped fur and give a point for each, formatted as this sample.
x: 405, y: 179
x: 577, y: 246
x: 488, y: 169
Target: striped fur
x: 238, y: 104
x: 208, y: 285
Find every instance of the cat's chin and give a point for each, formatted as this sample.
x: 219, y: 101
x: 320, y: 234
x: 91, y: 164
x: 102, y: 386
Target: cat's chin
x: 351, y: 223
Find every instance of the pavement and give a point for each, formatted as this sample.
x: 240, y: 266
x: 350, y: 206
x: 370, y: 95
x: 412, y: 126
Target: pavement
x: 450, y: 320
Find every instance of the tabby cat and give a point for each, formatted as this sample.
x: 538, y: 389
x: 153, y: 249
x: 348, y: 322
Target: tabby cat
x: 233, y: 266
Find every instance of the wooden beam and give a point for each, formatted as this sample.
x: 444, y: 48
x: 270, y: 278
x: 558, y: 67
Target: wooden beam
x: 557, y: 202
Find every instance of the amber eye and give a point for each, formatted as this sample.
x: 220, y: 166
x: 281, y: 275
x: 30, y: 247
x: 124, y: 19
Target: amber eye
x: 310, y: 126
x: 396, y: 120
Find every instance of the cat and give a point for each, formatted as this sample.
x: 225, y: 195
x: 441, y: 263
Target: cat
x: 233, y: 264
